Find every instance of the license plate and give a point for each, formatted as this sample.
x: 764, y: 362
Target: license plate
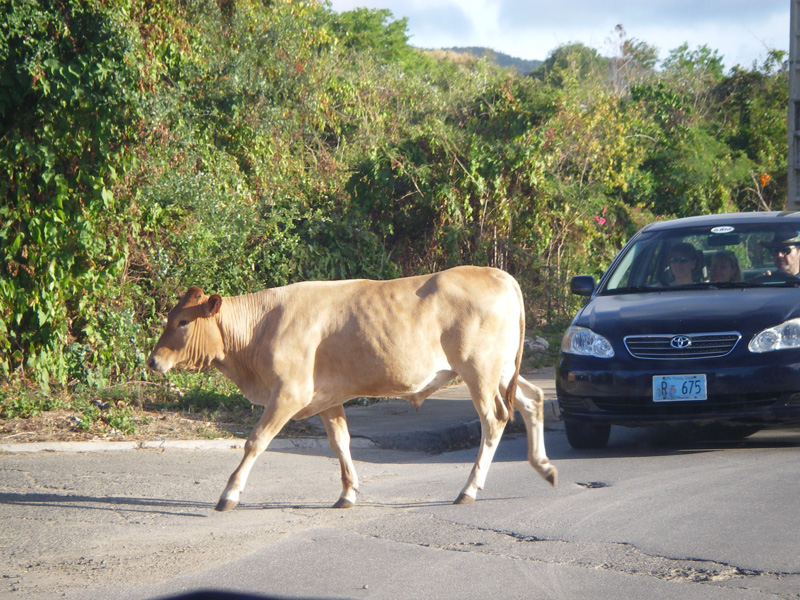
x: 677, y: 388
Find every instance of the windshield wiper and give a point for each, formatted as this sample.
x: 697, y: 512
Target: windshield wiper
x: 634, y: 289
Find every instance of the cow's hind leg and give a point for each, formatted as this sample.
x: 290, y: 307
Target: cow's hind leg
x: 271, y: 422
x: 339, y: 439
x: 491, y: 432
x: 530, y: 402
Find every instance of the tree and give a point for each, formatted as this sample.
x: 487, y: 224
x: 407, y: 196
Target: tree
x: 750, y: 115
x: 573, y: 66
x: 694, y: 73
x: 634, y: 62
x: 375, y: 31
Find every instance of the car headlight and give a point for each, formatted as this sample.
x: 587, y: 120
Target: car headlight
x: 585, y: 342
x: 781, y: 337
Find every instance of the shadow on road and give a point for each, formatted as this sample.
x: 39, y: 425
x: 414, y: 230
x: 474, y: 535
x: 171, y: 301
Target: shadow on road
x: 110, y: 503
x: 669, y: 440
x: 153, y: 506
x: 222, y: 595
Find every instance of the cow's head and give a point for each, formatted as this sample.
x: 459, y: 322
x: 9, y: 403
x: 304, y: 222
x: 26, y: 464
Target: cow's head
x: 191, y: 338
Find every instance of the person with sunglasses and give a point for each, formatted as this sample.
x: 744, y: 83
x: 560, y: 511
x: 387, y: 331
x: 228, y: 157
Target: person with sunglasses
x: 785, y: 252
x: 683, y: 265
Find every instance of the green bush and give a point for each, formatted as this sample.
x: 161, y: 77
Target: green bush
x: 147, y: 147
x: 69, y: 101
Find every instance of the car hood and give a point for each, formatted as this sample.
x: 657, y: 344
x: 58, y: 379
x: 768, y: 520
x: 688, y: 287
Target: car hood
x: 668, y: 312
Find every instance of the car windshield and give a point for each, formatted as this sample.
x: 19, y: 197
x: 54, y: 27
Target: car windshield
x: 703, y: 257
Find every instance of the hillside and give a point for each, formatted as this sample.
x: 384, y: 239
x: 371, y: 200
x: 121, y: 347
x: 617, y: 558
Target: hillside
x: 501, y: 60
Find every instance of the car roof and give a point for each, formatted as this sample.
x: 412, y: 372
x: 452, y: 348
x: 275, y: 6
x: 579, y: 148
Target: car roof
x: 726, y: 219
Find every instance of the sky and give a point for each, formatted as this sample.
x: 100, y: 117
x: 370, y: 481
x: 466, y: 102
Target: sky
x: 742, y: 31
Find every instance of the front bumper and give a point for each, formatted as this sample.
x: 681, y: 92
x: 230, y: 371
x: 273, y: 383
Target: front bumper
x: 612, y: 392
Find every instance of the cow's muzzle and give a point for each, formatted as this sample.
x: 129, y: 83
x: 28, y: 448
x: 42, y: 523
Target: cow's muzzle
x: 156, y: 365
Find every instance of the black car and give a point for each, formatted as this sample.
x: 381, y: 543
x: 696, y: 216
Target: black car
x: 671, y: 335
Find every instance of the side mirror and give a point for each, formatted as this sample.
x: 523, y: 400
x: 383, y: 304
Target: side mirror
x: 582, y: 285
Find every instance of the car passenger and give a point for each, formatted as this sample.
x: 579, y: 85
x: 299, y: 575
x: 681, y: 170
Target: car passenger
x: 785, y: 252
x: 683, y: 264
x: 725, y: 267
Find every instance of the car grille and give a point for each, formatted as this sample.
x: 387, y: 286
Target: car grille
x: 688, y: 346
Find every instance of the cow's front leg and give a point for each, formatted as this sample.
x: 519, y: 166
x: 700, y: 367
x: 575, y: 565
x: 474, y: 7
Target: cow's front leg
x: 275, y: 416
x: 339, y: 438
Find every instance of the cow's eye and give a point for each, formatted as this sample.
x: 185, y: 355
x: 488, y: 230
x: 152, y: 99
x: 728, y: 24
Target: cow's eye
x: 183, y: 323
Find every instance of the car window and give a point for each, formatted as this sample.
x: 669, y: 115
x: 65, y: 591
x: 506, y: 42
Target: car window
x: 700, y: 258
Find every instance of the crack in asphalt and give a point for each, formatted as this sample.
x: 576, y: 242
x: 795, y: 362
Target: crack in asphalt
x: 695, y: 570
x: 625, y: 558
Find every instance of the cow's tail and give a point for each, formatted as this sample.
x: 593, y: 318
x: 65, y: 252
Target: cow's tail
x: 511, y: 390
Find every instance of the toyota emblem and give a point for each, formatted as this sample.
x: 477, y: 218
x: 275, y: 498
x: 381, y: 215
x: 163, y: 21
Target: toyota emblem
x: 680, y: 342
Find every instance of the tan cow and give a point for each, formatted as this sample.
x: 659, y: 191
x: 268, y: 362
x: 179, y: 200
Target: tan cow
x: 307, y: 348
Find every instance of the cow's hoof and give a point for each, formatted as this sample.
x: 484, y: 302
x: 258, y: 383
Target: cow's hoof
x: 343, y: 503
x: 464, y: 499
x: 552, y: 477
x: 224, y: 505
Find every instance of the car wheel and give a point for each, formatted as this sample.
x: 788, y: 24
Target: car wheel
x: 585, y: 436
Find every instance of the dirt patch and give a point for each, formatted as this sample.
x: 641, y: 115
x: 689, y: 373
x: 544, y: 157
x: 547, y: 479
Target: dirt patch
x: 64, y: 426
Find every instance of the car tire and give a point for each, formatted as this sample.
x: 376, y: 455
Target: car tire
x: 585, y: 436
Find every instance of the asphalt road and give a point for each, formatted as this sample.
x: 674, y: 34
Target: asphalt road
x: 639, y: 520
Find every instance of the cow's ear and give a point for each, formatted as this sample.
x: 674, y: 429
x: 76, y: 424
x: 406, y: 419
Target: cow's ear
x: 213, y: 305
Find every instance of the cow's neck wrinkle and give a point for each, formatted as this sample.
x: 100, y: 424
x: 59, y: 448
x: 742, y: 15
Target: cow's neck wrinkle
x: 242, y: 321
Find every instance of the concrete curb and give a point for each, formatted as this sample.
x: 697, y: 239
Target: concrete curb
x: 215, y: 444
x: 434, y: 441
x: 458, y: 436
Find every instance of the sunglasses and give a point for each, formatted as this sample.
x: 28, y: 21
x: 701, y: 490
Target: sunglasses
x: 784, y: 250
x: 680, y: 259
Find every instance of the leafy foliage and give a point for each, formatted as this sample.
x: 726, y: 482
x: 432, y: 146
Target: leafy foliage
x: 148, y: 146
x: 67, y: 114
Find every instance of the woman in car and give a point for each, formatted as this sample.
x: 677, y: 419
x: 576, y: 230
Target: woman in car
x: 725, y: 267
x: 683, y: 264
